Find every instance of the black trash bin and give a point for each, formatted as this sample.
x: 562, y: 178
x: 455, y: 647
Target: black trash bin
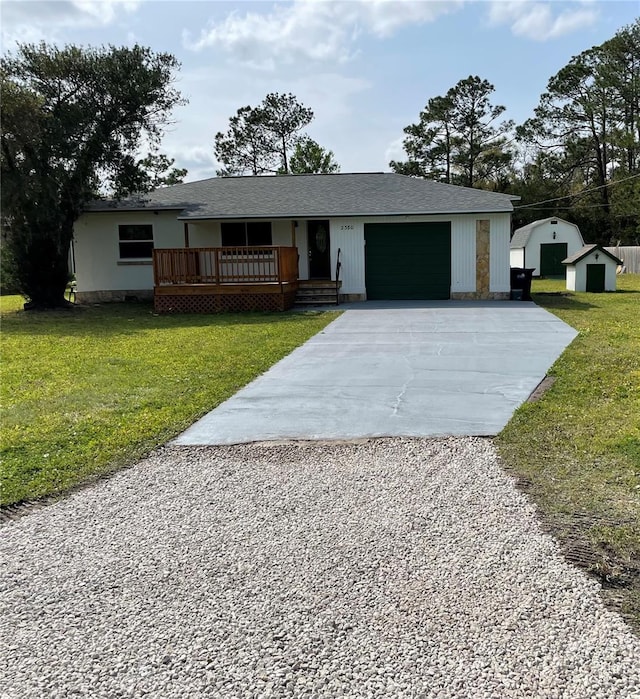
x: 521, y: 283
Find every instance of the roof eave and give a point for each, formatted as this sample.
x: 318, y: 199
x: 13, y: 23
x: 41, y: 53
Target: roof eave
x: 118, y: 209
x: 595, y: 248
x: 301, y: 215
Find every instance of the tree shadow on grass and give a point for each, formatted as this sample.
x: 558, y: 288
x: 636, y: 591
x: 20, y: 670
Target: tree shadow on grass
x: 117, y: 319
x: 560, y: 300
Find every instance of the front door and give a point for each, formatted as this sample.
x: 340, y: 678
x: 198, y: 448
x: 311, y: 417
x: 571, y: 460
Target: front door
x: 595, y: 278
x: 319, y: 250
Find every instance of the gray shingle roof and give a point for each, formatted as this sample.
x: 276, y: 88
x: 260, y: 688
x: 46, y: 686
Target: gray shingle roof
x: 521, y: 236
x: 583, y: 252
x: 304, y: 196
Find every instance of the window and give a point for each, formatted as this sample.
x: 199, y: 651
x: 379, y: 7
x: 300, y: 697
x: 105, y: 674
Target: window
x: 136, y: 242
x: 238, y: 234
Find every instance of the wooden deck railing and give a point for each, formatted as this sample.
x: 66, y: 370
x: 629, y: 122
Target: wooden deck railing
x: 237, y: 265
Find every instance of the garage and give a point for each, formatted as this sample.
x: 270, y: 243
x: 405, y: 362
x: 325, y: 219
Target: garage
x: 408, y: 260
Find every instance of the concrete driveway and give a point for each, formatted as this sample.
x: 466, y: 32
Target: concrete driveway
x: 418, y: 369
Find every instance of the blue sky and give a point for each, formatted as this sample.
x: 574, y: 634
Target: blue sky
x: 366, y: 67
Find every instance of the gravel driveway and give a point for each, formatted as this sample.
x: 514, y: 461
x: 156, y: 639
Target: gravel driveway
x: 385, y: 568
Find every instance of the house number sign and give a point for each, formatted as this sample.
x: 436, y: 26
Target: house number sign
x: 347, y: 227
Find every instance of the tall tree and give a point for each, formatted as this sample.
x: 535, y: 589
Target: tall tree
x: 573, y: 117
x: 246, y: 146
x: 458, y: 139
x: 309, y: 157
x: 620, y: 68
x: 589, y: 117
x: 71, y: 117
x: 284, y: 117
x: 430, y: 143
x: 259, y: 139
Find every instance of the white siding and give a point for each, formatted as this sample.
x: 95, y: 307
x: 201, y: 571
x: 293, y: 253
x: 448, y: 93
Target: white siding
x: 463, y: 254
x: 96, y: 248
x: 571, y: 278
x: 98, y: 264
x: 565, y: 233
x: 580, y: 272
x: 516, y: 257
x: 281, y: 232
x: 610, y: 277
x: 463, y: 249
x: 347, y: 235
x: 204, y: 234
x: 500, y: 232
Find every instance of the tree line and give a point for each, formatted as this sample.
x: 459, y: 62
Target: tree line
x: 577, y: 157
x: 75, y: 119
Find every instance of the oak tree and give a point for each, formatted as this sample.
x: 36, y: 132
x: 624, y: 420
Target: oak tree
x: 71, y: 118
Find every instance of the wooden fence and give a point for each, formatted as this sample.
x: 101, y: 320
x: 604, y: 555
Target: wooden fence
x: 630, y: 256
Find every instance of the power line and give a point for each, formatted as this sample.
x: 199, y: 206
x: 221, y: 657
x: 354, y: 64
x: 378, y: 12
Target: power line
x: 578, y: 194
x: 573, y: 208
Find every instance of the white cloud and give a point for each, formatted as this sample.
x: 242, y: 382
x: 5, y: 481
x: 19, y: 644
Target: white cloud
x: 314, y: 29
x: 216, y: 93
x: 33, y: 20
x: 395, y: 150
x: 541, y: 22
x: 330, y: 94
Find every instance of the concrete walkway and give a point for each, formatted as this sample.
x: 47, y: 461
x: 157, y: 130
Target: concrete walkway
x: 420, y: 369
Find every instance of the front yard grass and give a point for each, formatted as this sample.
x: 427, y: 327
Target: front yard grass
x: 87, y: 391
x: 577, y: 450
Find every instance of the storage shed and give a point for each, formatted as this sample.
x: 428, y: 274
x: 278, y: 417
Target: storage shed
x: 591, y: 269
x: 543, y: 245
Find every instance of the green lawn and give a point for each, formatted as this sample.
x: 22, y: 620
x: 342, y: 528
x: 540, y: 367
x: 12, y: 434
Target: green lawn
x: 577, y: 450
x: 87, y: 391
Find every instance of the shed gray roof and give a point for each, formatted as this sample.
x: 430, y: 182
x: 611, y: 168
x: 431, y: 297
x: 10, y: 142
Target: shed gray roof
x: 305, y: 196
x: 521, y: 236
x: 583, y: 252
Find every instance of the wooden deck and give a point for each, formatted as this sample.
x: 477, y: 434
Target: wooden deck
x: 213, y: 280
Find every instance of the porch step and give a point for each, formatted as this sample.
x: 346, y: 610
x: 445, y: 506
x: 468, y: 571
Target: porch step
x: 317, y: 284
x: 316, y: 293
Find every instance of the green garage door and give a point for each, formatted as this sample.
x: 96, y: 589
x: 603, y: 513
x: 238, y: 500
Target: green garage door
x: 408, y: 260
